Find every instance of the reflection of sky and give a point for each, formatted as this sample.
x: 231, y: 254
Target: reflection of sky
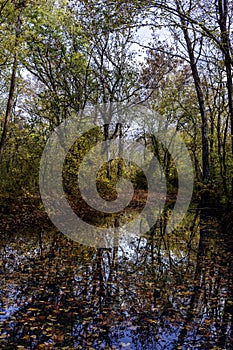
x: 138, y: 326
x: 6, y: 312
x: 131, y: 338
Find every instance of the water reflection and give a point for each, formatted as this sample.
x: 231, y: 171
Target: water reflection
x: 161, y: 291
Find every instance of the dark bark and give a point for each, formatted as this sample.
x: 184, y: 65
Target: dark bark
x: 227, y: 52
x: 200, y: 96
x: 10, y: 100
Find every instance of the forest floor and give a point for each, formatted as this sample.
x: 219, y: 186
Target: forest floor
x: 18, y: 213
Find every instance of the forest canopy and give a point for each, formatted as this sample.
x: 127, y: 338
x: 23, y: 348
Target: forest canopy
x: 59, y: 57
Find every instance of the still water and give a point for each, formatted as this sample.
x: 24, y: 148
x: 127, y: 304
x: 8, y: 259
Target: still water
x: 161, y: 291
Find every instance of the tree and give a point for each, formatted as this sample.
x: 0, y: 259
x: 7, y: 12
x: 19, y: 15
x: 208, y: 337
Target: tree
x: 114, y: 71
x: 17, y: 22
x: 223, y: 13
x: 205, y: 26
x: 56, y: 59
x: 200, y: 95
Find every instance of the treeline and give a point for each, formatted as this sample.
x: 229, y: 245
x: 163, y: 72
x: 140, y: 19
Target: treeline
x: 58, y: 57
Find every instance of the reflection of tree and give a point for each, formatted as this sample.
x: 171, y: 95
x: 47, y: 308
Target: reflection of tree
x: 196, y: 285
x: 226, y: 322
x: 209, y: 316
x: 144, y: 290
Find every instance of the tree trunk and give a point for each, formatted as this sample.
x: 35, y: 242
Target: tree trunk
x: 200, y: 96
x: 12, y: 87
x: 226, y: 49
